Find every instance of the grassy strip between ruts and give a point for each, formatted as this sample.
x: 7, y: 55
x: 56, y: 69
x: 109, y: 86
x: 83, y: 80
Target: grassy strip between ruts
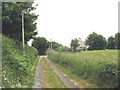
x: 51, y: 80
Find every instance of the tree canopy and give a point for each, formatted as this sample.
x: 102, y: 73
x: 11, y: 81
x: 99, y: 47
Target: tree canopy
x: 96, y: 42
x: 111, y: 43
x: 12, y: 20
x: 56, y: 45
x: 59, y: 47
x: 117, y: 40
x: 74, y: 43
x: 41, y: 44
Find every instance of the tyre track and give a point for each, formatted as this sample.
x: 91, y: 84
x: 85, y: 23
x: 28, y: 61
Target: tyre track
x: 68, y: 83
x: 38, y: 81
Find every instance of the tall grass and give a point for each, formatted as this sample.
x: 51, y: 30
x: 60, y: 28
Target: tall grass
x: 99, y: 67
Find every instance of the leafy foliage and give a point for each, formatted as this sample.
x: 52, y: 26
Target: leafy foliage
x: 12, y: 20
x: 56, y: 46
x: 117, y: 40
x: 17, y: 70
x: 74, y: 44
x: 41, y: 44
x: 65, y: 49
x: 96, y: 42
x: 59, y: 47
x: 111, y: 43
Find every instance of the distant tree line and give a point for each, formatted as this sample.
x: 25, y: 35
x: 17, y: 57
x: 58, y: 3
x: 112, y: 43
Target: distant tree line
x: 94, y: 41
x: 42, y: 44
x: 98, y: 42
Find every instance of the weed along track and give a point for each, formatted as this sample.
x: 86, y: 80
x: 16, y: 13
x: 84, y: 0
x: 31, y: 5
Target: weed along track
x: 49, y: 76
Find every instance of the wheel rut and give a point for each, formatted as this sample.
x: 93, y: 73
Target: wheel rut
x: 68, y: 83
x: 38, y: 81
x: 39, y: 77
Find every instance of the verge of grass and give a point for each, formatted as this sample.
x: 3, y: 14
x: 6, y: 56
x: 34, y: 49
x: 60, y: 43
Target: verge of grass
x: 51, y: 80
x: 17, y: 70
x: 99, y: 67
x: 82, y: 82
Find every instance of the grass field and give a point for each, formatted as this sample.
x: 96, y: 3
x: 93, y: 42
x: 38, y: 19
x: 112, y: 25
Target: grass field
x: 98, y: 67
x: 17, y: 70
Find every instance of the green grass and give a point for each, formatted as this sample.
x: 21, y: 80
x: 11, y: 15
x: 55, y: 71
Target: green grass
x: 80, y: 81
x: 98, y: 67
x: 18, y: 70
x: 51, y: 80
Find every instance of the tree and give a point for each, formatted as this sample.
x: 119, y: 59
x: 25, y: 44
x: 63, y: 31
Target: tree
x: 96, y: 42
x: 111, y: 43
x: 56, y: 45
x: 74, y: 44
x: 41, y: 44
x: 117, y: 40
x: 59, y: 47
x: 12, y: 23
x: 65, y: 49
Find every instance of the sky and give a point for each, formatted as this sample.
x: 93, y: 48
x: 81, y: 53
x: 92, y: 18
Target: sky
x: 63, y: 20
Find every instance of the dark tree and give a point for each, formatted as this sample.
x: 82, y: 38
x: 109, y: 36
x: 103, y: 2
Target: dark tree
x: 96, y: 42
x: 41, y: 44
x: 56, y: 45
x: 117, y: 40
x: 12, y: 20
x: 65, y: 49
x: 111, y: 43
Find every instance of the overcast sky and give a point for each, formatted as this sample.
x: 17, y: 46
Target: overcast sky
x: 63, y: 20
